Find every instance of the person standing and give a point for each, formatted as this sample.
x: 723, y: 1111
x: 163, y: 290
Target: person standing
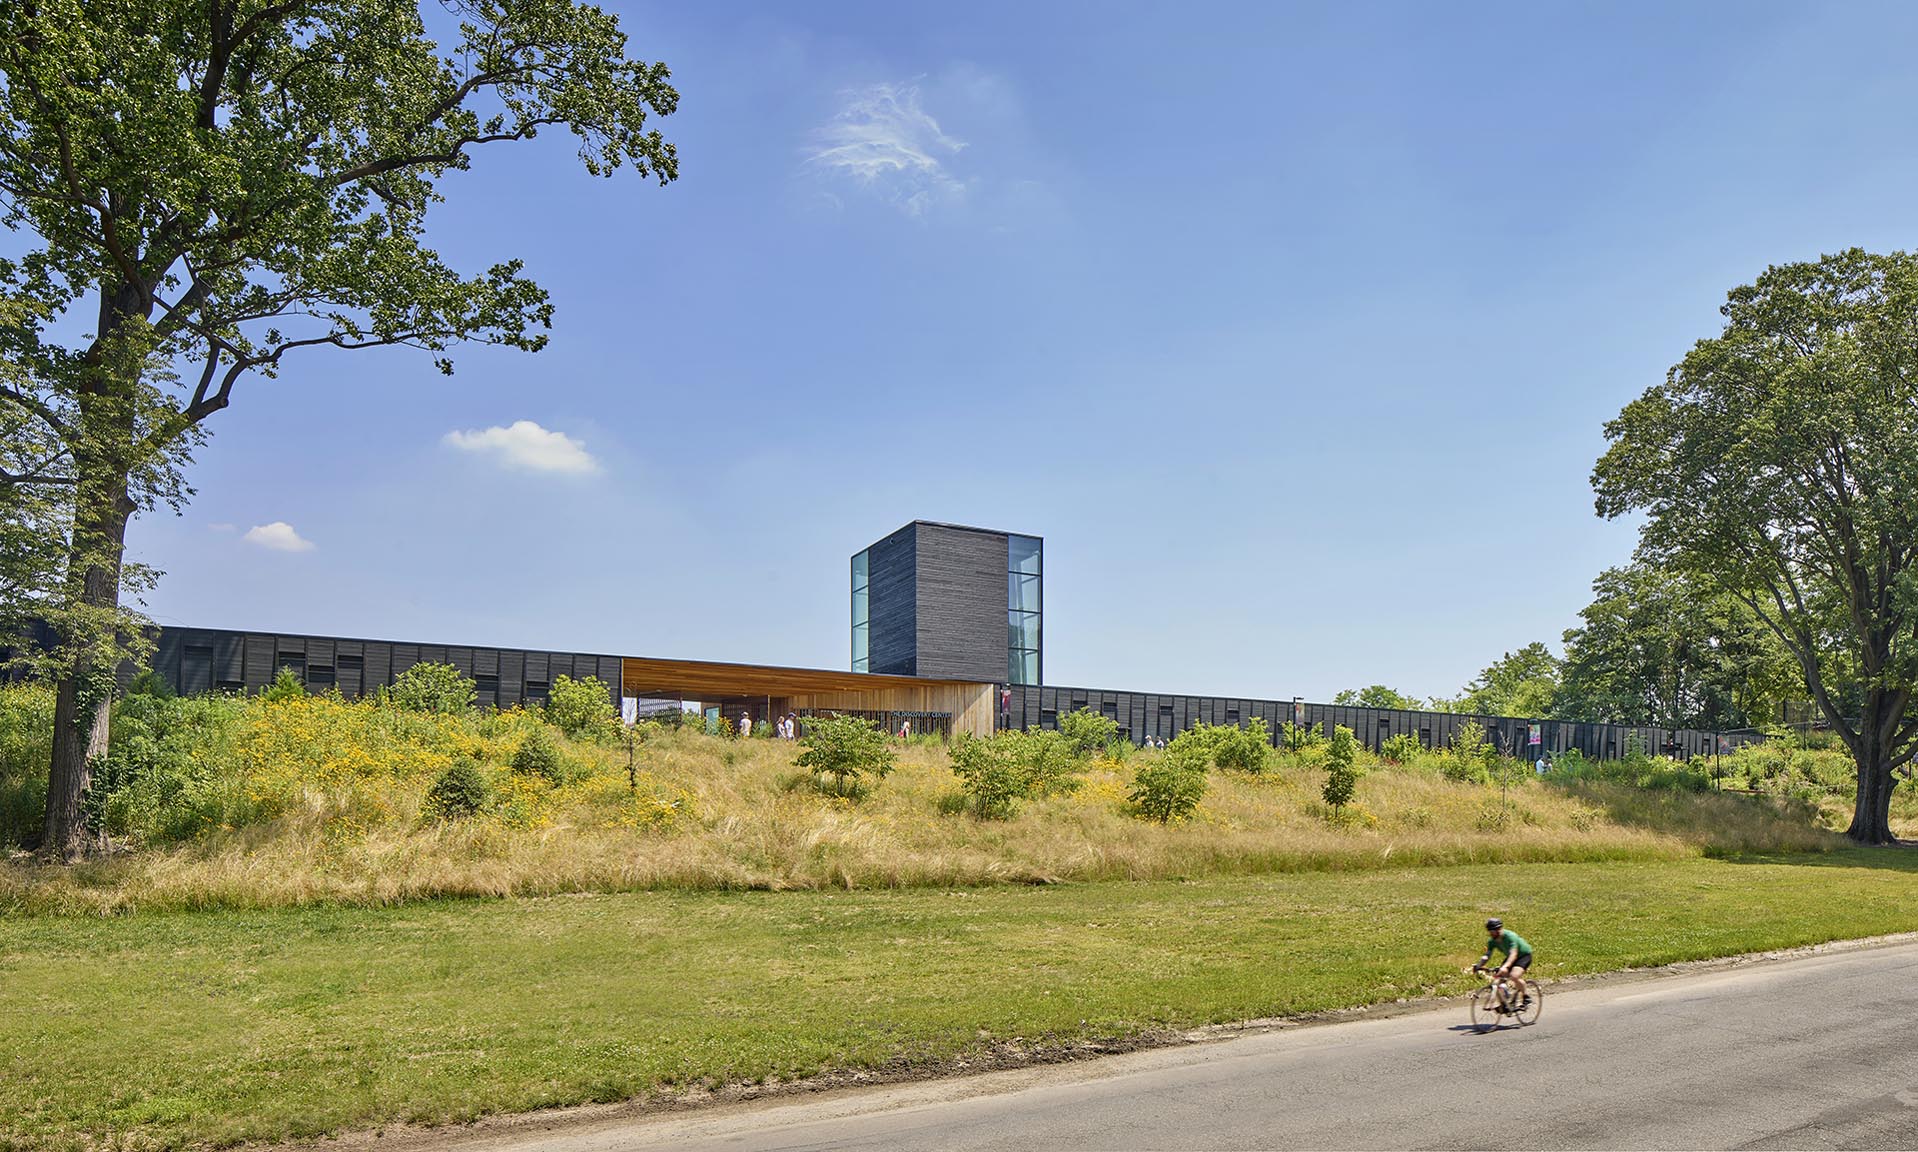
x: 745, y: 724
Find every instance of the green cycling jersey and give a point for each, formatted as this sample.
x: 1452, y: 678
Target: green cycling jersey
x: 1507, y: 941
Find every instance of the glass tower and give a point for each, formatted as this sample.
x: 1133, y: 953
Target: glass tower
x: 1024, y: 604
x: 861, y: 620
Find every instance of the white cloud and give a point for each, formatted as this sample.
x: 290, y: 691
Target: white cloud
x: 884, y: 142
x: 528, y: 447
x: 279, y: 536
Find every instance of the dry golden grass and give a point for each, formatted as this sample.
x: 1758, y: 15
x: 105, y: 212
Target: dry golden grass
x: 714, y: 813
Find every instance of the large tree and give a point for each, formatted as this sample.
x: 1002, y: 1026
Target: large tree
x: 210, y: 188
x: 1378, y: 696
x: 1521, y: 683
x: 1779, y: 462
x: 1663, y: 647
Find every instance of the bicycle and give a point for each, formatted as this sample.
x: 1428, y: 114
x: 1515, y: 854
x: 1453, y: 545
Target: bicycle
x: 1492, y: 1004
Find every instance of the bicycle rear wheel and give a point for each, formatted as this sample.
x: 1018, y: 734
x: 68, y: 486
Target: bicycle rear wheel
x: 1527, y: 1010
x: 1485, y: 1010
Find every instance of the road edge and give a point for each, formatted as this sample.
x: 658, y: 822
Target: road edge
x: 1006, y: 1056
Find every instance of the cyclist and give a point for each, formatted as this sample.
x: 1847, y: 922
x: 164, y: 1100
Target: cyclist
x: 1518, y: 957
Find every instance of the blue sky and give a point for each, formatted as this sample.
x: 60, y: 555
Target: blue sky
x: 1292, y: 329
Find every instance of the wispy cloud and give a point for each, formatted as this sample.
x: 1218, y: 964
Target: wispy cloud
x: 278, y: 536
x: 883, y: 141
x: 528, y: 447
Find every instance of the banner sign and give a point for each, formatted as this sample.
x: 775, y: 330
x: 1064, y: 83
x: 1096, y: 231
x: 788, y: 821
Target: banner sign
x: 1535, y: 736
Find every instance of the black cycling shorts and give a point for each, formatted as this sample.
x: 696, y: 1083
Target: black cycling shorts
x: 1524, y: 961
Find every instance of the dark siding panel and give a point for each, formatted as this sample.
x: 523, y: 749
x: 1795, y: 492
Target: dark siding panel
x: 892, y: 608
x: 259, y: 662
x: 379, y: 666
x: 512, y: 678
x: 229, y: 661
x: 166, y: 655
x: 961, y: 603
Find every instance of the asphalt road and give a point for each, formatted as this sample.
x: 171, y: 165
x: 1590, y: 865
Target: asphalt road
x: 1819, y: 1052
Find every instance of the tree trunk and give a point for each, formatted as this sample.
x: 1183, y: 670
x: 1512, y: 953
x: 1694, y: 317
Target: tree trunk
x: 83, y: 697
x: 1871, y: 815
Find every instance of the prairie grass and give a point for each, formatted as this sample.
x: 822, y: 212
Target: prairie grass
x: 320, y: 801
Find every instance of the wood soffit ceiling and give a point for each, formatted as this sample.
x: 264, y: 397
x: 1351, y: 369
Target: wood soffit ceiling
x: 645, y: 676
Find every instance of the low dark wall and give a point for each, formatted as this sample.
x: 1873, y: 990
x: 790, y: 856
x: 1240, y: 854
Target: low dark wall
x: 207, y: 660
x: 1144, y: 714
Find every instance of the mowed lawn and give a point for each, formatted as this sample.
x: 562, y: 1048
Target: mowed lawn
x: 179, y: 1028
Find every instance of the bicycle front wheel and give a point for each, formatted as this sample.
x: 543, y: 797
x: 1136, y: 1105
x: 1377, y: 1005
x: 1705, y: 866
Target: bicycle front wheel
x: 1485, y: 1009
x: 1527, y: 1009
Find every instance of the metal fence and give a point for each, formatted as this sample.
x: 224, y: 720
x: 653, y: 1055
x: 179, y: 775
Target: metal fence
x: 923, y: 723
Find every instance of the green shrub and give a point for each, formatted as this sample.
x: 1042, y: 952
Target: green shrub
x: 285, y: 686
x: 436, y: 688
x: 583, y: 709
x: 1046, y: 761
x: 459, y: 791
x: 1201, y: 740
x: 1299, y: 737
x: 1341, y: 768
x: 1086, y: 732
x: 162, y: 778
x: 989, y: 774
x: 1244, y: 749
x: 538, y: 755
x: 1169, y: 787
x: 845, y: 749
x: 1470, y: 758
x: 1401, y: 749
x: 26, y: 750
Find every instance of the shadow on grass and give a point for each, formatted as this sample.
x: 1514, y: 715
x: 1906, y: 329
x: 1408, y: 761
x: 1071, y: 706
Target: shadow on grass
x: 1720, y: 823
x: 1899, y: 857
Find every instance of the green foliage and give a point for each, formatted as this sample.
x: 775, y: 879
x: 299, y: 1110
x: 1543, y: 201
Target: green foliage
x: 1469, y: 759
x: 1775, y: 463
x: 233, y: 198
x: 990, y: 775
x: 583, y: 709
x: 1047, y: 760
x: 538, y: 755
x: 1646, y: 773
x: 1087, y: 732
x: 1243, y: 749
x: 1666, y: 647
x: 161, y: 779
x: 1521, y: 683
x: 1403, y: 748
x: 1378, y: 696
x: 285, y: 686
x: 461, y: 790
x: 840, y: 752
x: 437, y: 688
x: 1169, y: 786
x: 1200, y: 740
x: 1341, y: 768
x: 26, y: 748
x: 1299, y: 737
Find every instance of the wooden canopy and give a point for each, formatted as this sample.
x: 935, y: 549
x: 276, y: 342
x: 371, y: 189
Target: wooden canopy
x: 703, y: 679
